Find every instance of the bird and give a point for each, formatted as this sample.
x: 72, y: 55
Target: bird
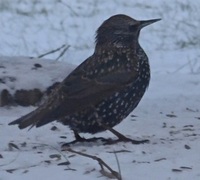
x: 105, y: 88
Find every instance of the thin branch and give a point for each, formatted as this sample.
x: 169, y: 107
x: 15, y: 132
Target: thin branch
x: 63, y: 52
x: 101, y: 163
x: 52, y: 51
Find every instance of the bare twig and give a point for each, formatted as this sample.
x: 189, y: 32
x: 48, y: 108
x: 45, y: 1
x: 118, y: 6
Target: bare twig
x: 52, y: 51
x: 63, y: 52
x: 101, y: 163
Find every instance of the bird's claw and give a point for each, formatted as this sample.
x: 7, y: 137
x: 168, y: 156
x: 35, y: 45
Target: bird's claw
x: 105, y: 141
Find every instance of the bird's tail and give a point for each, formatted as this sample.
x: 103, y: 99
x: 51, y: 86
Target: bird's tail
x: 38, y: 117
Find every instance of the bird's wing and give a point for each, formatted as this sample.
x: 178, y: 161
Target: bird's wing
x: 78, y: 92
x: 81, y: 89
x: 91, y: 91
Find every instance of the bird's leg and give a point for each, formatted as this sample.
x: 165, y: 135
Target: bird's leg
x: 79, y: 139
x: 122, y: 138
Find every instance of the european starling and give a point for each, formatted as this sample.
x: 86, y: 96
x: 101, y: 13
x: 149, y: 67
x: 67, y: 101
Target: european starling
x: 105, y: 88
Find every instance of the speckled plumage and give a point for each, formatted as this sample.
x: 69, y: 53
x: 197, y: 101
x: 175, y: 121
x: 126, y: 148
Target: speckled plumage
x: 119, y: 104
x: 106, y: 87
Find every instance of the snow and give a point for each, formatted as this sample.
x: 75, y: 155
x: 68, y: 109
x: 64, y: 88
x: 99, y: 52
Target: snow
x: 23, y: 73
x: 168, y: 115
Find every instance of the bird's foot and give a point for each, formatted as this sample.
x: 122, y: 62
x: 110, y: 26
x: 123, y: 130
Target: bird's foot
x: 89, y: 140
x: 122, y: 138
x: 104, y: 141
x: 79, y: 139
x: 125, y: 139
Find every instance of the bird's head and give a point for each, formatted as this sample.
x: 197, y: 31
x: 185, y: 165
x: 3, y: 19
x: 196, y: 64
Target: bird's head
x: 120, y: 31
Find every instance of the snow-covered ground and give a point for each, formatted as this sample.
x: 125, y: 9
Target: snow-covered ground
x: 168, y: 115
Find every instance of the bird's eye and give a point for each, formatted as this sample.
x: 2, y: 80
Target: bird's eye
x: 133, y: 27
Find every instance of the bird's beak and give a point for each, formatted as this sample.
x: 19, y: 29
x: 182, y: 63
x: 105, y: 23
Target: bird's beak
x: 148, y: 22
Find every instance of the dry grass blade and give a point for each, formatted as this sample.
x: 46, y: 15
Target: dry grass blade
x: 111, y: 174
x: 118, y: 165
